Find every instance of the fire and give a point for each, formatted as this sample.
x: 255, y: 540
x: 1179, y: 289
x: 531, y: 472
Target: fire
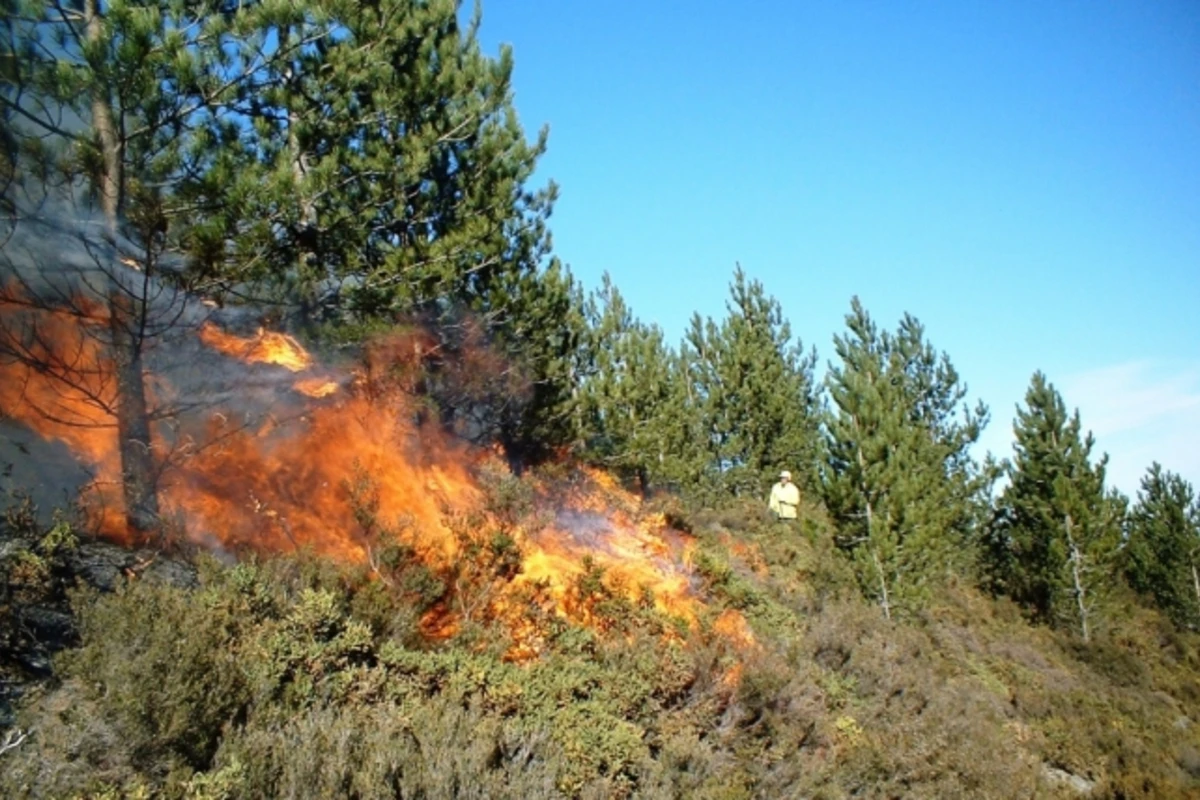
x: 600, y: 522
x: 269, y: 347
x: 315, y: 388
x: 56, y: 378
x: 265, y: 347
x: 338, y: 475
x: 733, y: 627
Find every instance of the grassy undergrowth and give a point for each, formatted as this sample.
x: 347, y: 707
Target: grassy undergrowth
x: 295, y: 677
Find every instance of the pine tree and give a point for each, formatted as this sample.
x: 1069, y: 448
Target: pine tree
x: 538, y: 320
x: 358, y: 164
x: 754, y: 393
x: 629, y: 394
x: 380, y: 174
x: 899, y: 479
x: 1162, y: 554
x: 1058, y: 530
x: 380, y: 165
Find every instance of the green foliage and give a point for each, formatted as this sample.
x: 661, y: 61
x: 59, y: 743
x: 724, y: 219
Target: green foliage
x: 1057, y: 530
x: 538, y: 319
x: 265, y: 682
x: 899, y: 480
x: 753, y: 395
x: 1162, y: 554
x: 161, y: 661
x: 356, y: 164
x: 34, y: 579
x: 363, y: 164
x: 31, y: 555
x: 633, y: 411
x: 717, y: 419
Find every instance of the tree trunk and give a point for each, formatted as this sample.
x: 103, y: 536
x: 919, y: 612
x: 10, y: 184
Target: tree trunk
x: 111, y: 178
x: 126, y: 307
x: 1077, y: 580
x: 306, y: 228
x: 133, y: 423
x: 1196, y: 584
x: 883, y: 592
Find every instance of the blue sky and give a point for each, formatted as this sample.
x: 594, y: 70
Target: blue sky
x: 1024, y: 177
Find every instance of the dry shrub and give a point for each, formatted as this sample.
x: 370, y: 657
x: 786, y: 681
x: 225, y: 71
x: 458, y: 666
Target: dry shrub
x: 433, y: 750
x: 73, y: 746
x: 904, y: 719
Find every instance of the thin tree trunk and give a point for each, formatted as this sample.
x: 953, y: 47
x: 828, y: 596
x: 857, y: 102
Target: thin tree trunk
x: 1196, y: 584
x: 133, y: 424
x: 883, y: 592
x: 884, y: 599
x: 111, y: 178
x: 1077, y: 579
x: 307, y: 224
x: 126, y: 321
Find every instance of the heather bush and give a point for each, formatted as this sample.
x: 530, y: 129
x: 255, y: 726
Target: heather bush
x: 294, y: 677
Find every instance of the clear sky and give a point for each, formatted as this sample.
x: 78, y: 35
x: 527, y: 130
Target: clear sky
x: 1024, y: 177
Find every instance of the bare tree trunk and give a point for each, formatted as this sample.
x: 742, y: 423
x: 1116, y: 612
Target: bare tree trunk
x: 1077, y: 579
x: 307, y: 224
x: 133, y: 423
x: 111, y: 179
x: 127, y: 310
x: 1196, y: 584
x: 883, y: 592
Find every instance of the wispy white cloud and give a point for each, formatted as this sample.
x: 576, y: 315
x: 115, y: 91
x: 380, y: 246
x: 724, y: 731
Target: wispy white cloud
x: 1140, y: 412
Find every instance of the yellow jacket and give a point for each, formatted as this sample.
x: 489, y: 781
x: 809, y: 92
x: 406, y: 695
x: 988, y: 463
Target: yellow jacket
x: 785, y: 498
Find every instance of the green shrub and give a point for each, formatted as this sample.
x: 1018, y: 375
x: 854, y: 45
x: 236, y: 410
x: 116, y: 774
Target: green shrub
x: 296, y: 677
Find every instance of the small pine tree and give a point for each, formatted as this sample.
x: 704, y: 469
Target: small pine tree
x: 629, y: 395
x: 1162, y: 555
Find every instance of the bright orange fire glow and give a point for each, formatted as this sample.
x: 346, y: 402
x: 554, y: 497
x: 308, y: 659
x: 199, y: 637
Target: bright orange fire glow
x: 265, y: 347
x: 733, y: 626
x: 315, y: 388
x: 291, y: 483
x: 70, y: 396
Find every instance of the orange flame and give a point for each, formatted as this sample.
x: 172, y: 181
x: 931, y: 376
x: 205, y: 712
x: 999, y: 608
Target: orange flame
x: 290, y: 484
x: 265, y: 347
x: 733, y: 626
x: 269, y: 347
x: 315, y: 388
x: 57, y: 379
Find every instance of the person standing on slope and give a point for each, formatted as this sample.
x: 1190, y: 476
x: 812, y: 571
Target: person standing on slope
x: 785, y: 498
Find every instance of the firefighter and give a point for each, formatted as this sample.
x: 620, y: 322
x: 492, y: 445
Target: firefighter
x: 785, y: 498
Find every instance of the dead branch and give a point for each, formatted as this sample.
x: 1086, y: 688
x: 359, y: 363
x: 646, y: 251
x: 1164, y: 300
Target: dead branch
x: 13, y: 740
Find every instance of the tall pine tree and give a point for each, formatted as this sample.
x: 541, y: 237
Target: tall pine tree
x: 899, y: 479
x: 1057, y: 531
x: 631, y: 400
x: 754, y: 394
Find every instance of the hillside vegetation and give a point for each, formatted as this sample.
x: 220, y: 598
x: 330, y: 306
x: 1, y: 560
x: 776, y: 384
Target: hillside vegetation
x: 355, y: 177
x: 294, y: 677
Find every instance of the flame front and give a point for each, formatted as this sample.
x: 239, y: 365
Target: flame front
x: 288, y: 483
x: 265, y: 347
x: 315, y: 388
